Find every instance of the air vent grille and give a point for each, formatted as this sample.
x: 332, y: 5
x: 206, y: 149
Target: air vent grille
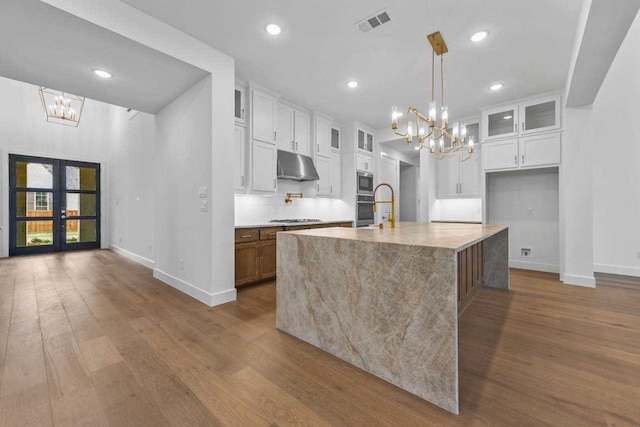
x: 374, y: 21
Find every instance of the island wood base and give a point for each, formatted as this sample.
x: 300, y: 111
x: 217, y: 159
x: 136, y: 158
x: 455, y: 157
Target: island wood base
x: 388, y: 308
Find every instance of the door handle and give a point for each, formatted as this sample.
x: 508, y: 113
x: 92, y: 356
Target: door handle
x: 242, y: 180
x: 63, y: 216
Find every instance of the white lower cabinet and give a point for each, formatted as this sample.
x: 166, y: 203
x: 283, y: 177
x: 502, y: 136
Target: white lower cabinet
x: 459, y: 179
x: 528, y: 152
x: 240, y: 154
x: 264, y: 158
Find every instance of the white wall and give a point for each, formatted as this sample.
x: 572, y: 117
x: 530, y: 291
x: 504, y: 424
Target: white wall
x: 616, y: 162
x: 528, y: 202
x: 24, y: 130
x: 131, y: 195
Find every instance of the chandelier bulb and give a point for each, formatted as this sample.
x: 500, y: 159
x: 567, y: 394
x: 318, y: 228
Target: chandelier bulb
x: 445, y: 116
x: 394, y: 117
x: 432, y: 111
x: 409, y: 131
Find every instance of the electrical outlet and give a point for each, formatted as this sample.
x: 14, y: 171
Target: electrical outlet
x: 525, y: 252
x: 181, y: 264
x: 529, y: 211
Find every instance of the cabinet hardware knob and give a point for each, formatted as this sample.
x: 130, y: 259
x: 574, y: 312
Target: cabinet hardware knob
x: 293, y: 146
x: 274, y: 183
x: 522, y: 128
x: 275, y: 135
x: 515, y: 160
x: 243, y: 180
x: 523, y: 159
x: 243, y: 113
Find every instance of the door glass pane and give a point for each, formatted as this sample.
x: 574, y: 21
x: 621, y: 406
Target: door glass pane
x: 35, y: 175
x: 34, y: 233
x: 360, y: 139
x: 81, y: 230
x: 79, y: 178
x: 501, y: 123
x: 238, y: 108
x: 540, y: 115
x: 81, y: 204
x: 34, y: 203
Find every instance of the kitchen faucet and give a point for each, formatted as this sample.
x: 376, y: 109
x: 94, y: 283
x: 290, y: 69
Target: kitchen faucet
x: 392, y: 217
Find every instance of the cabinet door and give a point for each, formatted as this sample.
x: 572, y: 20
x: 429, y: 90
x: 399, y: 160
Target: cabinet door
x: 541, y: 150
x: 500, y: 123
x: 246, y: 263
x: 240, y: 105
x: 500, y: 155
x: 323, y: 137
x: 284, y: 129
x: 263, y: 117
x: 264, y: 159
x: 240, y: 151
x: 470, y: 175
x: 267, y: 256
x: 335, y: 181
x: 302, y: 133
x: 364, y: 163
x: 540, y: 116
x: 323, y: 185
x: 448, y: 177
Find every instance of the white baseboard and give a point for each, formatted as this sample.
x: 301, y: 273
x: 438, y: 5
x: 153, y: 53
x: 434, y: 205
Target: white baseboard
x: 133, y: 257
x: 574, y: 279
x: 616, y: 269
x: 535, y: 266
x: 197, y: 293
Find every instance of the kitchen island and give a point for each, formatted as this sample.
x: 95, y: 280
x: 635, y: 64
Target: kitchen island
x: 387, y: 300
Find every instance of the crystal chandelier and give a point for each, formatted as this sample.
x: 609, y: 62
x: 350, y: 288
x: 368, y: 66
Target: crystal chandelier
x: 426, y: 127
x: 60, y: 107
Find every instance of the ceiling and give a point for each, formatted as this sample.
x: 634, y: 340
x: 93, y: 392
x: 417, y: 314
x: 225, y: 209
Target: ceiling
x: 45, y: 46
x: 320, y: 49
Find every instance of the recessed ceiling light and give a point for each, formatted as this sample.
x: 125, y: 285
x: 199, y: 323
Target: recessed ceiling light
x: 274, y: 29
x: 102, y: 74
x: 496, y: 86
x: 479, y: 36
x: 508, y: 117
x: 352, y: 84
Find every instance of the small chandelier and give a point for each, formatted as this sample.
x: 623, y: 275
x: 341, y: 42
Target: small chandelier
x: 436, y: 132
x: 60, y: 107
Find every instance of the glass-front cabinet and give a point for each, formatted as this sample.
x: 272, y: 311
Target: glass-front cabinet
x: 365, y: 141
x: 525, y: 118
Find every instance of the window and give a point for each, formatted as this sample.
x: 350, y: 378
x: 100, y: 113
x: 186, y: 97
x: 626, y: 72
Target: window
x: 42, y: 201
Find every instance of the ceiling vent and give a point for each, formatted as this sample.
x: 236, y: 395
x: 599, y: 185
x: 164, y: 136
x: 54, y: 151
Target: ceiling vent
x: 374, y: 21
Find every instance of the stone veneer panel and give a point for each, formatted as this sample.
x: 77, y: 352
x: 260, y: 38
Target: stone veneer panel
x: 389, y: 309
x: 496, y: 265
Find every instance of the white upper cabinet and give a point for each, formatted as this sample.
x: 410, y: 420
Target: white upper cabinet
x: 365, y: 140
x: 500, y: 123
x: 335, y: 139
x: 471, y: 176
x: 240, y: 153
x: 302, y: 132
x: 263, y: 117
x: 540, y: 115
x: 284, y: 129
x: 524, y: 118
x: 240, y: 105
x: 528, y: 152
x: 459, y: 179
x: 335, y: 170
x: 264, y: 157
x: 323, y: 185
x: 540, y: 150
x: 322, y: 132
x: 364, y: 163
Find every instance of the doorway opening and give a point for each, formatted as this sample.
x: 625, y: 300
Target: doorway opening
x: 54, y: 205
x: 408, y: 192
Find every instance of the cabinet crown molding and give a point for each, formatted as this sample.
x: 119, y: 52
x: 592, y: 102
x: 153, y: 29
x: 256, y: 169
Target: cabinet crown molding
x: 253, y: 85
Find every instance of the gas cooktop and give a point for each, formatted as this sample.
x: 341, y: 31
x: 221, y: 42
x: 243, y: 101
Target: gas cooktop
x: 296, y: 220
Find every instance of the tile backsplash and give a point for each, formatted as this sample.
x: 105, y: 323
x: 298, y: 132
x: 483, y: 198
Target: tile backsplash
x: 253, y: 209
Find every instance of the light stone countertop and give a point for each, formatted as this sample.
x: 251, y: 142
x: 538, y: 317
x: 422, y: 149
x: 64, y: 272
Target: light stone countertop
x: 435, y: 235
x: 289, y: 224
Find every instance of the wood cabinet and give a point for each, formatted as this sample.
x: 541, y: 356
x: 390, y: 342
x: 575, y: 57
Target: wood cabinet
x: 239, y: 156
x: 293, y: 130
x: 525, y: 118
x: 256, y: 251
x: 264, y: 158
x: 263, y: 117
x: 529, y: 152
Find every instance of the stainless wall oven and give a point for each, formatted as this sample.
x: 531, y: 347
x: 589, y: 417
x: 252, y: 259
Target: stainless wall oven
x: 364, y: 210
x: 365, y: 183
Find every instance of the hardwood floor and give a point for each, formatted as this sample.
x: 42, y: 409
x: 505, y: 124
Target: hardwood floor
x: 91, y: 338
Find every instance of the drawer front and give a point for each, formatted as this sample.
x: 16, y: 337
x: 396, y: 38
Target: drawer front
x: 244, y: 235
x: 297, y: 227
x: 269, y: 233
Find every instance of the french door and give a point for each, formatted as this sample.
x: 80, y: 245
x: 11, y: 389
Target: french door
x: 54, y: 205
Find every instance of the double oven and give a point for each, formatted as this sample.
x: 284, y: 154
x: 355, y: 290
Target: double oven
x: 364, y: 199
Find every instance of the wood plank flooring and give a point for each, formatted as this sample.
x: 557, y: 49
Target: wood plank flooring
x: 90, y: 338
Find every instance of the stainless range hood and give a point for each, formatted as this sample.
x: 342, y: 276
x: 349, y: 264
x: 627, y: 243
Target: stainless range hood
x: 296, y: 167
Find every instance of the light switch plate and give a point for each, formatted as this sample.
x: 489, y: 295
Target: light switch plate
x: 202, y: 192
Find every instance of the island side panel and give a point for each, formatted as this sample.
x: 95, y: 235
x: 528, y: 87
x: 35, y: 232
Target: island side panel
x: 496, y: 260
x: 388, y: 309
